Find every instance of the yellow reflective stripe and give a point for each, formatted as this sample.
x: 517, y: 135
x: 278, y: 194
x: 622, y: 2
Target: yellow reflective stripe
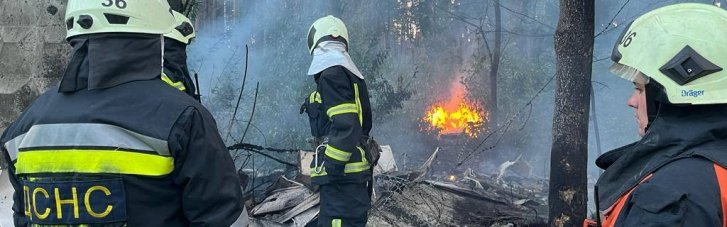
x: 336, y: 223
x: 315, y: 97
x: 39, y: 225
x: 342, y: 109
x: 337, y: 154
x: 93, y: 161
x: 363, y: 155
x: 177, y: 85
x: 354, y: 167
x: 358, y: 104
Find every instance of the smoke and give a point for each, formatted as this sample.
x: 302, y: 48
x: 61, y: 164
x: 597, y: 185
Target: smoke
x: 410, y: 51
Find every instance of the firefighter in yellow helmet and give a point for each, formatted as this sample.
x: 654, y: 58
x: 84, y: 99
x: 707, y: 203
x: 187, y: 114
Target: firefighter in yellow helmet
x: 342, y: 164
x: 176, y: 72
x: 114, y: 145
x: 675, y: 175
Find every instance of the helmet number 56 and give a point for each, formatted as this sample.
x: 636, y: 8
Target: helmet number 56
x: 121, y: 4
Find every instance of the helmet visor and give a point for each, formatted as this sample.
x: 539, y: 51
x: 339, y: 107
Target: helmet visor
x: 629, y: 73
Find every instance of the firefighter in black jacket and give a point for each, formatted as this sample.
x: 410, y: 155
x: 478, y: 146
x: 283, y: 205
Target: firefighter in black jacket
x: 675, y: 175
x: 341, y: 166
x: 114, y: 145
x: 176, y: 72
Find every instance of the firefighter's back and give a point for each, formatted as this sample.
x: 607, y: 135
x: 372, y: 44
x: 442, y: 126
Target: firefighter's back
x: 101, y: 156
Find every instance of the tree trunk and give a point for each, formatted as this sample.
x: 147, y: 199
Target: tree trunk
x: 569, y: 153
x: 334, y: 8
x: 495, y: 64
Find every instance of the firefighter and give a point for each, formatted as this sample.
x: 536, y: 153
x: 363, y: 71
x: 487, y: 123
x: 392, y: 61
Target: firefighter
x: 175, y: 71
x: 114, y: 145
x: 341, y: 167
x: 675, y: 174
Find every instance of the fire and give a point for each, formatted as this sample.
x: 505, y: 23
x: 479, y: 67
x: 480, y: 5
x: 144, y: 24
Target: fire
x: 452, y: 178
x: 456, y: 116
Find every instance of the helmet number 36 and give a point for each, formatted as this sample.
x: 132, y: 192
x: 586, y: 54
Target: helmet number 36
x: 121, y: 4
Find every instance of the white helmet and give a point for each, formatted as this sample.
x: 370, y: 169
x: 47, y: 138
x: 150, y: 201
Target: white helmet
x: 184, y: 31
x: 328, y: 28
x: 126, y: 16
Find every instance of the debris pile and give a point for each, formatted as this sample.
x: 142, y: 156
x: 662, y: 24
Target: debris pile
x: 415, y: 198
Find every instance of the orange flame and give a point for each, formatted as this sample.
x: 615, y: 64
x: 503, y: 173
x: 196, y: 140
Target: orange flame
x: 456, y: 116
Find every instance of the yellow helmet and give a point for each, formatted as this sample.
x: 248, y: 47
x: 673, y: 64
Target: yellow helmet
x: 184, y: 31
x: 328, y: 28
x: 677, y: 46
x: 127, y: 16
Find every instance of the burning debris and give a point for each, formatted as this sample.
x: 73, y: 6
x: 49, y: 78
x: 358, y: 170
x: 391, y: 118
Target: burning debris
x: 456, y: 115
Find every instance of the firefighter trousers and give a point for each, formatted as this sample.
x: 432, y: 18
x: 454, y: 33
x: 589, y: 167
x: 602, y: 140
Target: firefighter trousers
x: 344, y: 205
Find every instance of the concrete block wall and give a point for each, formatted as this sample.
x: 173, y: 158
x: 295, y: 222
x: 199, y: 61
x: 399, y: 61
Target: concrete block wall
x: 33, y: 52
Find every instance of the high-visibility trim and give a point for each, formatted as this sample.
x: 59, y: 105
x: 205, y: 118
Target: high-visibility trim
x: 12, y: 146
x: 359, y: 110
x: 178, y: 85
x: 337, y: 154
x: 611, y: 214
x: 336, y: 223
x: 361, y: 166
x: 315, y: 97
x: 93, y: 161
x: 353, y: 167
x: 342, y: 109
x: 363, y: 155
x: 721, y: 173
x: 84, y: 135
x: 356, y: 167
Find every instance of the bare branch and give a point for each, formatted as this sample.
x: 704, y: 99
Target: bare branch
x: 274, y: 158
x: 528, y: 17
x: 479, y: 29
x: 522, y: 34
x: 612, y: 19
x: 505, y: 126
x: 237, y: 106
x: 249, y: 121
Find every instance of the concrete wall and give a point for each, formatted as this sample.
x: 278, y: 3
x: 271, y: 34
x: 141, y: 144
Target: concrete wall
x: 33, y: 52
